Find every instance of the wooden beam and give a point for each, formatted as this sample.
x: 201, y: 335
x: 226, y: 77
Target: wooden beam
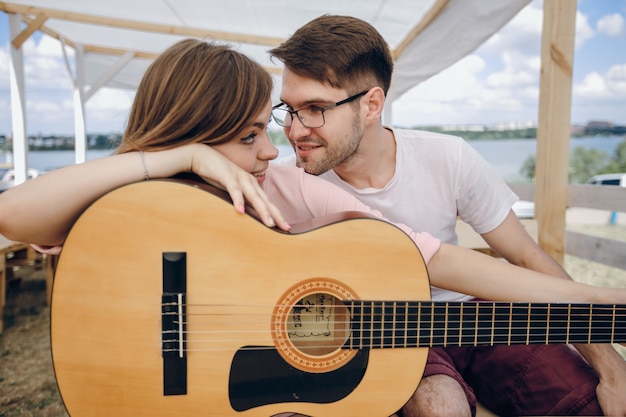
x: 608, y: 198
x: 35, y: 24
x: 612, y: 198
x: 143, y: 26
x: 524, y: 191
x: 595, y: 248
x: 553, y: 132
x: 91, y: 48
x: 102, y: 49
x: 428, y: 18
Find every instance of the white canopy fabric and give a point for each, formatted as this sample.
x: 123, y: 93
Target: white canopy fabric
x: 116, y: 40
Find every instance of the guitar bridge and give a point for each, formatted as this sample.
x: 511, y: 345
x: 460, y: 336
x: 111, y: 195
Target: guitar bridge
x: 173, y: 323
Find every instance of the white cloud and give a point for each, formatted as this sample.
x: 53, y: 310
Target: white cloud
x: 610, y: 84
x: 435, y: 101
x: 49, y: 93
x: 611, y: 25
x: 45, y: 47
x: 107, y: 110
x: 506, y: 87
x: 616, y: 79
x: 472, y: 92
x: 522, y: 33
x: 584, y: 31
x: 519, y: 71
x: 600, y: 96
x: 455, y: 82
x: 593, y: 85
x: 44, y: 65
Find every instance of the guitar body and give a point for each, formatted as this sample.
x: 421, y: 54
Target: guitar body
x: 241, y: 281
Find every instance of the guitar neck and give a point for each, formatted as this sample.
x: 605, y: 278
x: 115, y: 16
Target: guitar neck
x: 403, y: 324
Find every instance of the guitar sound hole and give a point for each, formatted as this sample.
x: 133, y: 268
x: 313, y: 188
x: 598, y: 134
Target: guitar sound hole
x: 318, y: 324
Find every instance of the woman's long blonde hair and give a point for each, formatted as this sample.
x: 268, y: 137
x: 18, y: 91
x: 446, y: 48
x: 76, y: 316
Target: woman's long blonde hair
x: 193, y: 92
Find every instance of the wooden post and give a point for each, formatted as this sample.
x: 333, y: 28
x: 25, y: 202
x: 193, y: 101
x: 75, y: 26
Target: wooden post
x: 553, y: 132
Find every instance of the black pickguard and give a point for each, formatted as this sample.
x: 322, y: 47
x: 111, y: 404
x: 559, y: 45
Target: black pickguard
x: 260, y: 376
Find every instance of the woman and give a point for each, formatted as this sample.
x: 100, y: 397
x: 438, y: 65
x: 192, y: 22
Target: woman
x: 197, y: 94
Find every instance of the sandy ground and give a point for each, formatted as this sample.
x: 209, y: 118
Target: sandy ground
x: 576, y: 216
x: 27, y: 384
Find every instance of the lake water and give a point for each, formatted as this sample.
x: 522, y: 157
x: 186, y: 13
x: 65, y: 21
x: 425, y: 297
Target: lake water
x: 506, y: 156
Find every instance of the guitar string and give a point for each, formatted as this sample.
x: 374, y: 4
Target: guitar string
x: 468, y: 316
x: 381, y: 339
x: 502, y: 309
x: 327, y: 348
x: 425, y: 337
x: 378, y: 335
x: 387, y: 318
x: 375, y: 344
x: 451, y: 322
x: 468, y: 309
x: 519, y: 335
x: 598, y: 332
x: 425, y: 304
x: 334, y: 348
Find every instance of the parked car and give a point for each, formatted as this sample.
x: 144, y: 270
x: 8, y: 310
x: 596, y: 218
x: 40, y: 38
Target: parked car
x: 524, y: 209
x: 617, y: 179
x: 9, y: 175
x: 8, y: 178
x: 609, y: 179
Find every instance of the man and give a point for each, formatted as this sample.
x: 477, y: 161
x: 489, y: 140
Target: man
x: 337, y: 73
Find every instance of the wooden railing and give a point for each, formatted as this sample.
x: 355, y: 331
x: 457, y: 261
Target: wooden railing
x: 606, y: 251
x: 12, y: 254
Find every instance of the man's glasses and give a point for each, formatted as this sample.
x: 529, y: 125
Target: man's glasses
x: 310, y: 117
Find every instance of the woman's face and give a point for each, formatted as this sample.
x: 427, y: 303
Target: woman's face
x: 252, y: 149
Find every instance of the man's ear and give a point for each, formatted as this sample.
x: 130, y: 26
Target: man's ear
x: 375, y: 102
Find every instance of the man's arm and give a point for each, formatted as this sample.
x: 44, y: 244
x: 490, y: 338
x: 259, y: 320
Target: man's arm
x: 511, y: 240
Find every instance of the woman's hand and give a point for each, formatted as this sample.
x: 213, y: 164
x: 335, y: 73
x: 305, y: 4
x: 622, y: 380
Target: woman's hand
x: 242, y: 186
x: 49, y: 250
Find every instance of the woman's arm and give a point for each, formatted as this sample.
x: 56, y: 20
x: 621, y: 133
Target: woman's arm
x: 42, y: 210
x: 470, y: 272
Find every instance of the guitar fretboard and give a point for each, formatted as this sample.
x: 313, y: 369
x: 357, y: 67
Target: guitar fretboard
x: 400, y: 324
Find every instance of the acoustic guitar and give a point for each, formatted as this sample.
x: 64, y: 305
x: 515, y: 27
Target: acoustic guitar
x: 166, y: 302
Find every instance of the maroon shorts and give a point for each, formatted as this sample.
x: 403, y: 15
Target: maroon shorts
x: 520, y: 380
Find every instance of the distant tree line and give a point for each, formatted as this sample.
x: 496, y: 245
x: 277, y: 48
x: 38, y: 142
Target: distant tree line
x: 604, y: 131
x: 111, y: 141
x: 584, y: 163
x: 95, y: 142
x: 486, y: 134
x: 65, y: 142
x: 525, y: 133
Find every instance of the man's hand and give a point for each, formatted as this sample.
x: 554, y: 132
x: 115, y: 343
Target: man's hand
x: 611, y: 369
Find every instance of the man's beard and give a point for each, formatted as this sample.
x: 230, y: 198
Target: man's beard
x: 336, y: 155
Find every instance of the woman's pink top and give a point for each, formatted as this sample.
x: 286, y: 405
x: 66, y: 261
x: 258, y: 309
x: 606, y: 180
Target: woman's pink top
x: 301, y: 197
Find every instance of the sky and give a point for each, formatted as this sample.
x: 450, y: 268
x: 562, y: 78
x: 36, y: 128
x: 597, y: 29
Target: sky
x: 496, y: 84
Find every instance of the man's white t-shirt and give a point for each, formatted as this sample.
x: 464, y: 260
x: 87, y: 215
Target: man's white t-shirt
x: 437, y: 177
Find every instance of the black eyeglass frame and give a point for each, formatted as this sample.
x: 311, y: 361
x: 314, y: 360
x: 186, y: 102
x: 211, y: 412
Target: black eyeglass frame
x: 322, y: 109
